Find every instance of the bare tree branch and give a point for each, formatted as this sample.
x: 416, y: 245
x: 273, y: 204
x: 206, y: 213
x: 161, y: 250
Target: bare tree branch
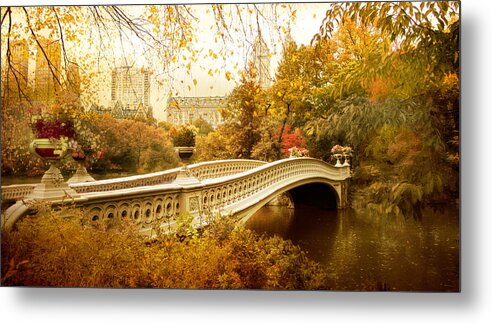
x: 50, y: 64
x: 8, y: 11
x: 64, y: 51
x: 11, y: 69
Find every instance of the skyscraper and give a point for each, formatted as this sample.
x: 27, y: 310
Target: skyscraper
x: 130, y: 86
x: 14, y: 85
x: 47, y: 75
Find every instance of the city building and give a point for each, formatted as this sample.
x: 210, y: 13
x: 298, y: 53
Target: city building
x: 15, y: 80
x: 183, y: 110
x: 260, y: 58
x: 130, y: 86
x: 47, y: 82
x: 130, y: 92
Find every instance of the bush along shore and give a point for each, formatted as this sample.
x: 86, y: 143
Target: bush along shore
x: 62, y: 249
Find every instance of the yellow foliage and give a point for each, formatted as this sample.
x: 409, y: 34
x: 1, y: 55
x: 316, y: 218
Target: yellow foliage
x: 65, y: 249
x: 450, y: 80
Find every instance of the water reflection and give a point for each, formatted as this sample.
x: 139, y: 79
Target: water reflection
x: 365, y: 252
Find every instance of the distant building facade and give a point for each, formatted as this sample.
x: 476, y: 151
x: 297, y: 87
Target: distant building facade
x: 183, y: 110
x: 130, y: 86
x: 260, y: 57
x: 47, y: 82
x: 130, y: 95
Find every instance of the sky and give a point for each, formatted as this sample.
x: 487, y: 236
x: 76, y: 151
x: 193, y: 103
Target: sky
x: 307, y: 22
x: 206, y: 76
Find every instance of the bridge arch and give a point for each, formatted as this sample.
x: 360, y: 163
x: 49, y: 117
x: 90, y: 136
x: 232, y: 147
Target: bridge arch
x: 319, y: 194
x: 317, y: 191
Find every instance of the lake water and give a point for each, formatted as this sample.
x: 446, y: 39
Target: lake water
x: 362, y: 252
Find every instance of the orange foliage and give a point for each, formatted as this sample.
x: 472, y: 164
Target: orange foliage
x: 52, y: 250
x: 406, y: 149
x: 380, y: 89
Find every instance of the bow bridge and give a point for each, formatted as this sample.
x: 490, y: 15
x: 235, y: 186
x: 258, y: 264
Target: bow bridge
x: 228, y: 187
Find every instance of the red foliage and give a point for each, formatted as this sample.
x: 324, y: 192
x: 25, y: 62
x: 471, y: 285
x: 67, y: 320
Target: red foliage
x: 54, y: 129
x: 290, y: 139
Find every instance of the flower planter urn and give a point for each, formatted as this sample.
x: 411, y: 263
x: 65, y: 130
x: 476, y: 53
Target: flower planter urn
x: 52, y: 185
x: 81, y: 174
x: 48, y: 149
x: 185, y: 152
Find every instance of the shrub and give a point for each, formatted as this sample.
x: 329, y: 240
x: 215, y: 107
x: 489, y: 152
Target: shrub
x: 184, y: 135
x: 55, y: 250
x: 134, y: 146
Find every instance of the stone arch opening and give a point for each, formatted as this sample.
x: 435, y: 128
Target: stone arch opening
x: 320, y: 195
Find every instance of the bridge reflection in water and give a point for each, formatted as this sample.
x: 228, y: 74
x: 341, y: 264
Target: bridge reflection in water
x: 228, y: 187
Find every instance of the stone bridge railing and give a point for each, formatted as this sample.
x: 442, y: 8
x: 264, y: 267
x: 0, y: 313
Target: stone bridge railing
x: 204, y: 170
x: 16, y: 192
x: 222, y: 168
x: 241, y: 193
x: 236, y: 187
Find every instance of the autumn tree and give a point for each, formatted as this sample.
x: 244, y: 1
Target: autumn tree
x: 203, y: 126
x: 78, y: 44
x: 393, y: 96
x: 134, y: 147
x: 90, y: 37
x: 217, y: 145
x: 299, y: 71
x: 406, y: 56
x: 242, y: 114
x: 410, y: 30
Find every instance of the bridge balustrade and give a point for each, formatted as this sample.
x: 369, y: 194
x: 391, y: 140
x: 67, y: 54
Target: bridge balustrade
x: 248, y: 185
x: 241, y: 185
x: 203, y: 170
x: 223, y: 168
x: 16, y: 192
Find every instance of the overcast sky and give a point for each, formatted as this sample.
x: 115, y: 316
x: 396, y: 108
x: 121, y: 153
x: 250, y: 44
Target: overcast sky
x: 233, y: 59
x: 307, y: 23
